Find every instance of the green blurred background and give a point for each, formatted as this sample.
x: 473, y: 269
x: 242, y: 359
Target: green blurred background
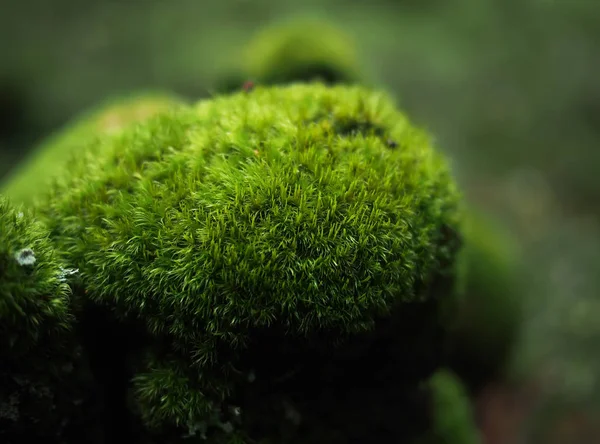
x: 509, y: 88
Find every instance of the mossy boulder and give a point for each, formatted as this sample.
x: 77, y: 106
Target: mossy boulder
x: 45, y: 386
x: 277, y: 251
x: 491, y: 303
x: 52, y: 157
x: 298, y: 50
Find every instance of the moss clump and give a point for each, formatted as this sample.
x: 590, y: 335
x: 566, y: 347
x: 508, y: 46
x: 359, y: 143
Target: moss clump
x: 284, y: 233
x: 34, y: 301
x: 44, y: 384
x: 490, y: 313
x: 50, y: 159
x: 300, y: 50
x: 452, y: 417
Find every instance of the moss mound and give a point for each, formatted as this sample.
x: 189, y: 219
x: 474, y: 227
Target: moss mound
x: 45, y: 384
x: 488, y: 325
x: 280, y: 236
x: 299, y: 50
x: 53, y: 156
x: 34, y: 301
x: 453, y: 420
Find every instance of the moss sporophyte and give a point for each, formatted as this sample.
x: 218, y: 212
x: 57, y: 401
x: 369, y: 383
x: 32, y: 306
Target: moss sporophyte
x: 273, y: 265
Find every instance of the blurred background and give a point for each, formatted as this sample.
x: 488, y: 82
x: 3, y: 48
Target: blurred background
x: 509, y: 88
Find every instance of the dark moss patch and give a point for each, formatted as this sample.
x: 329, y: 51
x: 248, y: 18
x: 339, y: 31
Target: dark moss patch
x: 46, y: 389
x: 247, y: 230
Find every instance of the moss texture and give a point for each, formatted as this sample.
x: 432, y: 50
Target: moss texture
x: 280, y: 236
x: 50, y: 159
x: 45, y: 383
x: 34, y: 300
x: 491, y: 305
x: 299, y: 50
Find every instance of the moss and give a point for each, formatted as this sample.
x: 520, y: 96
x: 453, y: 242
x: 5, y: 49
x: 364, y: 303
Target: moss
x: 45, y: 384
x: 279, y: 220
x: 34, y: 301
x: 49, y: 160
x: 491, y: 304
x: 166, y: 392
x: 452, y: 415
x: 298, y: 50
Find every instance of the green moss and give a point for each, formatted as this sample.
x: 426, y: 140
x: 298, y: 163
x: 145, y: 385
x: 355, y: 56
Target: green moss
x: 270, y: 185
x: 53, y: 156
x: 302, y: 216
x: 453, y: 421
x: 33, y: 299
x: 165, y: 392
x: 299, y: 50
x: 491, y: 304
x: 45, y: 384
